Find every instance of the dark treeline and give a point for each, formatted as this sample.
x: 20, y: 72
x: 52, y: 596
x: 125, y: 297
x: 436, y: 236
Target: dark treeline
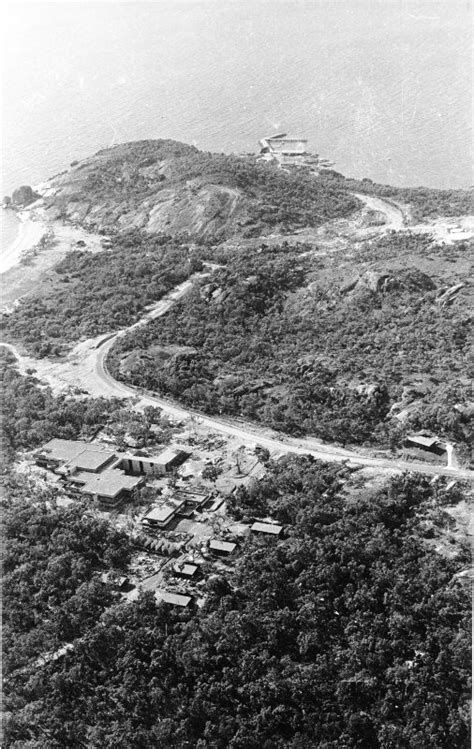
x: 350, y: 632
x: 271, y: 341
x: 51, y: 590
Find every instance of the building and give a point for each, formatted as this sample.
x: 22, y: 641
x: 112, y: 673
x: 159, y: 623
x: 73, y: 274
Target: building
x: 427, y: 443
x: 160, y: 517
x: 109, y: 488
x: 186, y: 570
x: 104, y: 474
x: 72, y: 455
x: 284, y: 151
x: 221, y: 548
x: 270, y: 529
x: 173, y: 599
x: 157, y: 465
x: 287, y: 146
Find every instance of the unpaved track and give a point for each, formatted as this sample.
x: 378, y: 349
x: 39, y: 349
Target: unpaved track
x: 89, y: 371
x: 94, y: 376
x: 395, y: 219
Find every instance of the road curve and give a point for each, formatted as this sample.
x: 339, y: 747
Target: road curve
x: 394, y: 216
x: 250, y: 434
x: 253, y: 434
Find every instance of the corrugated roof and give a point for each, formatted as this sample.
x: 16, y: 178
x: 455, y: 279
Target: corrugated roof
x: 271, y: 528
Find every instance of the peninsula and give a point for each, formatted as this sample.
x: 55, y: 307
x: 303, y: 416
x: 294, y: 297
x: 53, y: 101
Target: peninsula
x: 238, y: 424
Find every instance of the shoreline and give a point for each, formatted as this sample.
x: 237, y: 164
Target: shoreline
x: 30, y: 232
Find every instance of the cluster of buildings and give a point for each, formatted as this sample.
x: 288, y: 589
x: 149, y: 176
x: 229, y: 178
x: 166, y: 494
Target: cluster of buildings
x: 110, y: 477
x: 100, y: 473
x: 284, y: 151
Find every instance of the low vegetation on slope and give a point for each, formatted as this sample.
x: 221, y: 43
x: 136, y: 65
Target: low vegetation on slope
x: 425, y: 202
x: 98, y: 293
x: 322, y: 346
x: 350, y: 632
x: 165, y: 186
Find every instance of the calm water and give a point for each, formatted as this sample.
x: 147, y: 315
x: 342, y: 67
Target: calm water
x: 380, y: 87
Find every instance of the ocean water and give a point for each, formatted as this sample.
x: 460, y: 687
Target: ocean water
x: 381, y: 87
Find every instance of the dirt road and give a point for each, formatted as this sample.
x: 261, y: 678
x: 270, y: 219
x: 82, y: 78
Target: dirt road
x: 86, y: 368
x: 395, y: 219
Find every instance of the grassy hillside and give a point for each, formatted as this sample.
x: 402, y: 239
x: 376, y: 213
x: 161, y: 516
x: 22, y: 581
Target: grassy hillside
x: 165, y: 186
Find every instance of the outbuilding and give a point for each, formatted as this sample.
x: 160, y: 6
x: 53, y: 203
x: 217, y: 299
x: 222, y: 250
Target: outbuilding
x: 221, y: 548
x: 173, y: 599
x: 269, y: 529
x: 160, y: 517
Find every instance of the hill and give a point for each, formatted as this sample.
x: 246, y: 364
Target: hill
x: 165, y: 186
x: 333, y: 346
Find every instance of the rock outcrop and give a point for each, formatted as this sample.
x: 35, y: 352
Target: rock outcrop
x: 24, y: 195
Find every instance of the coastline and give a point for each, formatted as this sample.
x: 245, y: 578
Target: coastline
x: 29, y: 234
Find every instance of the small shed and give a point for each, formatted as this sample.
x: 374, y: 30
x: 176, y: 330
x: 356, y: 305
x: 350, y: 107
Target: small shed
x: 425, y: 442
x: 269, y: 529
x: 221, y: 548
x: 173, y: 599
x: 187, y: 570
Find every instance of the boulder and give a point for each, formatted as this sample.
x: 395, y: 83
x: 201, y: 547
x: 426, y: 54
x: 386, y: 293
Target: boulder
x: 24, y: 195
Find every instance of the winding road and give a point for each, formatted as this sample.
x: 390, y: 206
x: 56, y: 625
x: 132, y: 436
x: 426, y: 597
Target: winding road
x: 86, y: 368
x: 251, y: 434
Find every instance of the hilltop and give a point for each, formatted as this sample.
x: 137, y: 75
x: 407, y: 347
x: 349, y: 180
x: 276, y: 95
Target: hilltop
x: 162, y: 186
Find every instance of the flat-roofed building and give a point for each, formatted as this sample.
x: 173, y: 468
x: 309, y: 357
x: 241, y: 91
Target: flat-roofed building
x: 186, y: 569
x: 270, y: 529
x: 73, y: 455
x: 109, y: 487
x: 287, y: 146
x: 222, y: 548
x: 157, y: 465
x: 160, y: 517
x: 173, y: 599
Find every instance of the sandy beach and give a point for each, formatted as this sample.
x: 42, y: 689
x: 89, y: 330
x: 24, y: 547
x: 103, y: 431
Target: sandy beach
x: 29, y: 234
x: 34, y: 276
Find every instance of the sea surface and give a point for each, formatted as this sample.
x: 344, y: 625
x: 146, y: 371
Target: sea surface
x: 381, y: 87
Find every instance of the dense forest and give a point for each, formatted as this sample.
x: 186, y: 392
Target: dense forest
x: 97, y: 293
x: 31, y: 415
x: 350, y: 632
x: 282, y: 338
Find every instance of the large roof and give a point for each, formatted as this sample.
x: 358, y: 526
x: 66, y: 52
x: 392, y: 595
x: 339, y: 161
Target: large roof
x: 109, y: 483
x: 78, y: 454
